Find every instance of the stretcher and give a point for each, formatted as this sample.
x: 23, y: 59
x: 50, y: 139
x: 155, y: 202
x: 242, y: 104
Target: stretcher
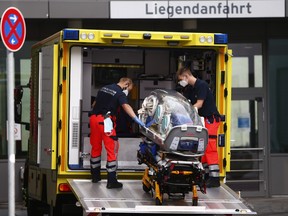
x: 174, y: 140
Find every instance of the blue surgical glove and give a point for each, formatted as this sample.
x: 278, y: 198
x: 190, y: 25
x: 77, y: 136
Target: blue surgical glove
x: 150, y: 123
x: 138, y: 121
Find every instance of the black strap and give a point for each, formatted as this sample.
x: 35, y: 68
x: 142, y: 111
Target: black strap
x: 114, y: 138
x: 212, y: 117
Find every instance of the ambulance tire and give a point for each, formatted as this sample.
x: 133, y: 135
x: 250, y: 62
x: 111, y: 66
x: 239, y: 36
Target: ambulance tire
x: 55, y: 211
x: 35, y: 207
x: 65, y: 206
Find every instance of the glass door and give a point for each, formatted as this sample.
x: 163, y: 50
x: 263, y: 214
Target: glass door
x: 248, y: 144
x: 247, y: 173
x: 278, y: 118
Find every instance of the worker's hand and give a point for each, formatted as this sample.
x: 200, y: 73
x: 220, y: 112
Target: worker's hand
x: 138, y: 121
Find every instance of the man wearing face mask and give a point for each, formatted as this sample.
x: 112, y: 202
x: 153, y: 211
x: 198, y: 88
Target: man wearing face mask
x: 102, y: 128
x: 201, y: 97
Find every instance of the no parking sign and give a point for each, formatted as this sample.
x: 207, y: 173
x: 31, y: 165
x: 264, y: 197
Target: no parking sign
x: 13, y: 33
x: 13, y: 29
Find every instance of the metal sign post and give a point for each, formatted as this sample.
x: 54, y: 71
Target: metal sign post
x: 11, y: 140
x: 13, y: 33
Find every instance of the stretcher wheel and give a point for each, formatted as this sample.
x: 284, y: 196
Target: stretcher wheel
x: 145, y: 188
x: 195, y: 202
x: 158, y: 201
x: 195, y: 196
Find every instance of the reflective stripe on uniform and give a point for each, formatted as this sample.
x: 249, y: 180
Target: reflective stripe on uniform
x: 111, y: 166
x: 214, y: 174
x: 214, y: 167
x: 95, y: 162
x: 214, y: 170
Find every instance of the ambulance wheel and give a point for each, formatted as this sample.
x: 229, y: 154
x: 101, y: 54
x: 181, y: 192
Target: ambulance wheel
x: 65, y: 206
x: 145, y: 188
x: 158, y: 201
x: 35, y: 207
x: 195, y: 202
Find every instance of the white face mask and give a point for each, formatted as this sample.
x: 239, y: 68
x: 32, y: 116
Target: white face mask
x: 125, y: 91
x: 183, y: 83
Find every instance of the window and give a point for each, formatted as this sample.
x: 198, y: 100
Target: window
x: 247, y: 65
x: 22, y: 75
x: 278, y: 78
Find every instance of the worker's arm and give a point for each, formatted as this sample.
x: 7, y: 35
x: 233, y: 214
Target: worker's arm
x: 128, y: 109
x: 93, y: 104
x: 198, y: 104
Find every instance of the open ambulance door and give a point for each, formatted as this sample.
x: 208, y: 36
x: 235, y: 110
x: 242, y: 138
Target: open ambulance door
x: 47, y: 105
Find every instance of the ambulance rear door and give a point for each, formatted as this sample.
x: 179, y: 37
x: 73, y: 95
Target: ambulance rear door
x: 47, y: 106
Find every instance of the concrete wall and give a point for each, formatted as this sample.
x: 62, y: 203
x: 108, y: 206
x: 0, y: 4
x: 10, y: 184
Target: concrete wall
x: 68, y: 9
x: 55, y: 9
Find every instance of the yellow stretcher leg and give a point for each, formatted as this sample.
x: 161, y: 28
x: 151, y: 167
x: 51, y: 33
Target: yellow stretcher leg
x: 146, y: 181
x: 158, y: 195
x: 195, y: 196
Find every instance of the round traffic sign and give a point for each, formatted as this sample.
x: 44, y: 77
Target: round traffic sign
x: 13, y: 29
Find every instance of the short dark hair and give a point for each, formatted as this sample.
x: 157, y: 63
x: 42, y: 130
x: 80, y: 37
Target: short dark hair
x: 181, y: 70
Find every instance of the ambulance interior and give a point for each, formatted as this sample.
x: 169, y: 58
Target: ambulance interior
x: 93, y: 67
